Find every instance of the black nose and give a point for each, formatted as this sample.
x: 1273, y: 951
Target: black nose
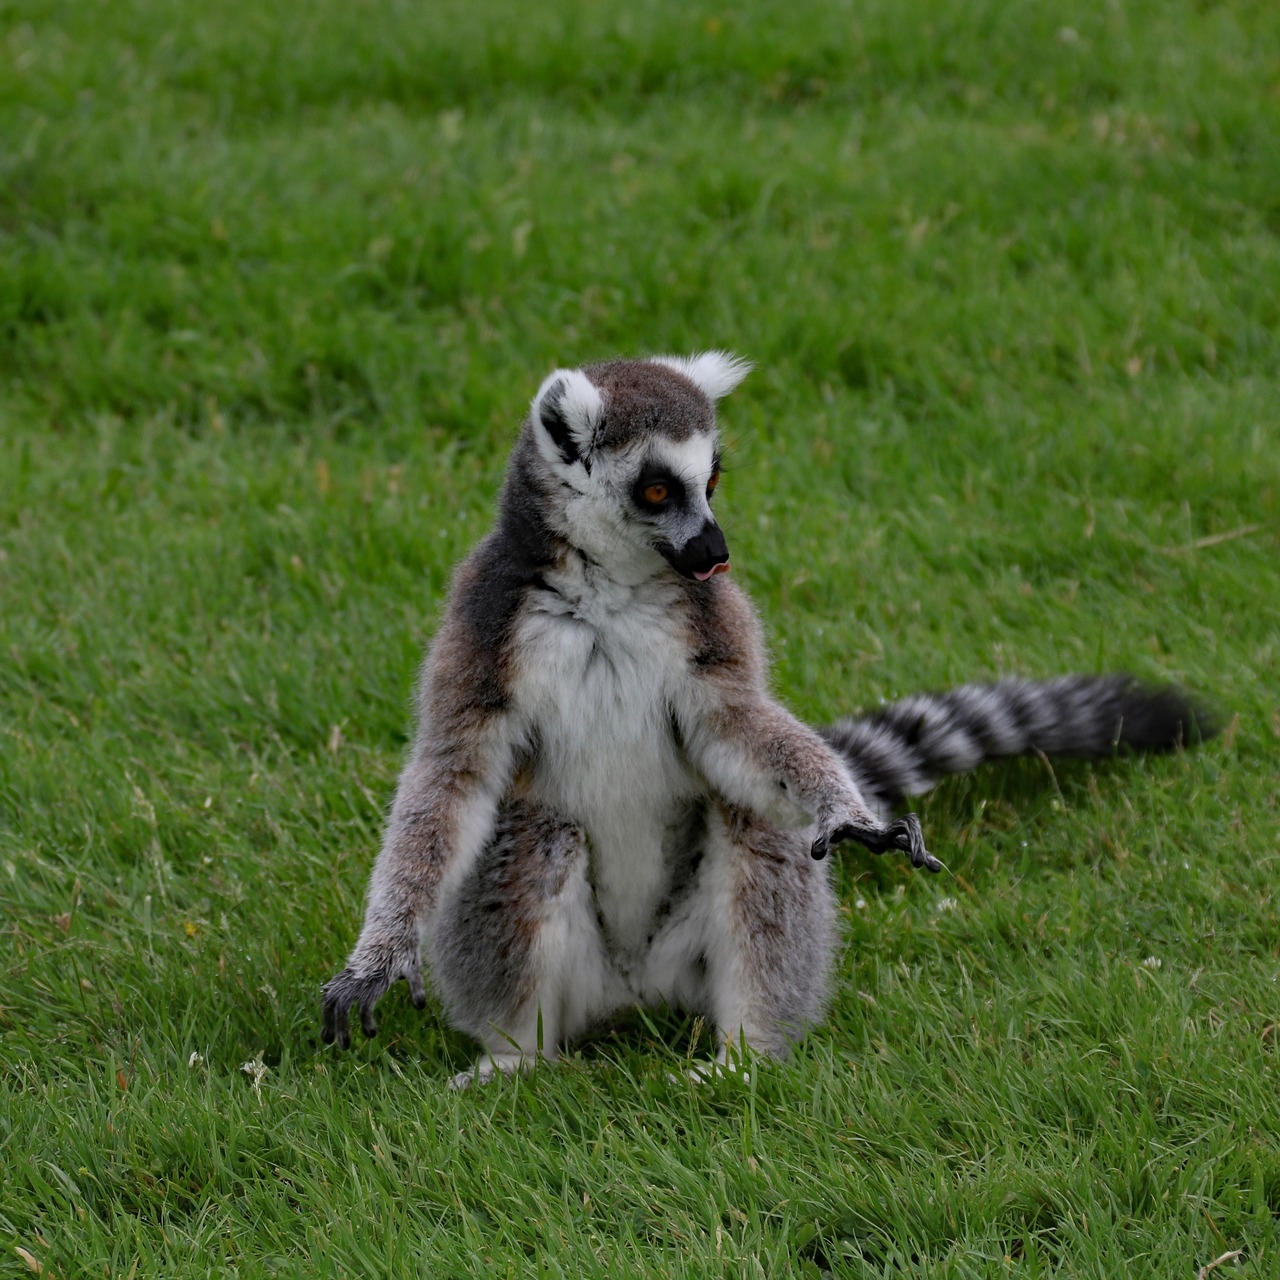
x: 703, y: 556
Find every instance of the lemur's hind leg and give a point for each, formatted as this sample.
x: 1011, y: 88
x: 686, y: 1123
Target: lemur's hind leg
x: 516, y: 951
x: 751, y: 946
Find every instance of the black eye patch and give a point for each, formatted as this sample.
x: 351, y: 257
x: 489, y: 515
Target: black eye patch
x: 656, y: 489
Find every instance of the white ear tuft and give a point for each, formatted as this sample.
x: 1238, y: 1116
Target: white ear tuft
x: 714, y: 373
x: 568, y: 408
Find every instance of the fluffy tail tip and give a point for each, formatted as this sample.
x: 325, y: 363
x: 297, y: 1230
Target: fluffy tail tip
x: 1163, y: 718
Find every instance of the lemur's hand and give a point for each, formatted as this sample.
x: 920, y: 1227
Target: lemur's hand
x: 366, y: 979
x: 903, y: 835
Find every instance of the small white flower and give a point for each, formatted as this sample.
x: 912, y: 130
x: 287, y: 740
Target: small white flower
x: 255, y: 1070
x: 1152, y: 962
x: 947, y: 904
x: 195, y: 1060
x: 861, y: 904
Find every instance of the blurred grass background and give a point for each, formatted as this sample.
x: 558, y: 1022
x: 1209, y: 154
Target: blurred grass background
x: 275, y: 287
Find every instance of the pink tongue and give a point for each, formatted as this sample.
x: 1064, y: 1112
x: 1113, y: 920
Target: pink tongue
x: 722, y: 567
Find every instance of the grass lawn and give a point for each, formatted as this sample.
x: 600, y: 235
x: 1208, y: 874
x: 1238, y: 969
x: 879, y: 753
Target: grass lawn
x: 276, y: 284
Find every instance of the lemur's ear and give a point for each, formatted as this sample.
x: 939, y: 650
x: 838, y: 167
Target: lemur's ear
x: 568, y: 410
x: 714, y: 373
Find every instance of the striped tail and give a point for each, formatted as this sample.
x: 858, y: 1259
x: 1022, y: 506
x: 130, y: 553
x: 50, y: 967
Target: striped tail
x: 903, y: 748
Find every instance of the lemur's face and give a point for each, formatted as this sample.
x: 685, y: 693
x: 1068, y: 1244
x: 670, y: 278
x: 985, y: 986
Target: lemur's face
x: 670, y: 497
x: 633, y: 447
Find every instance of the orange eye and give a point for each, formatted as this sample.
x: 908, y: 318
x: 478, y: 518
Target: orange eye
x: 711, y: 484
x: 656, y: 494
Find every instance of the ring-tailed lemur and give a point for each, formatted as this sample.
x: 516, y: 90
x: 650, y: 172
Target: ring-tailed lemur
x: 604, y: 806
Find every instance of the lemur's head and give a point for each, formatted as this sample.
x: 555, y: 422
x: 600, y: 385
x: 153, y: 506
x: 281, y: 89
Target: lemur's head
x: 633, y: 454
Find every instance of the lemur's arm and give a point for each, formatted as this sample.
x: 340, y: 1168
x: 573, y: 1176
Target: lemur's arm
x: 443, y: 815
x: 759, y: 756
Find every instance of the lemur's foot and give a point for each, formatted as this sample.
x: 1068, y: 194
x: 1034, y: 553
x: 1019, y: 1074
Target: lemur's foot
x: 364, y: 985
x: 492, y: 1066
x: 902, y: 835
x: 730, y: 1061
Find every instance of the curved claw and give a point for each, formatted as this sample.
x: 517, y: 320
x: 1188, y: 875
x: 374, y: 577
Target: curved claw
x: 910, y: 840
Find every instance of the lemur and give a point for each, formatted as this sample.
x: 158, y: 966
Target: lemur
x: 604, y: 805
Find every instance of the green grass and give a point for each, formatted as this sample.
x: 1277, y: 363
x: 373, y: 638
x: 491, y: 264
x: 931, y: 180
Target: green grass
x: 276, y: 283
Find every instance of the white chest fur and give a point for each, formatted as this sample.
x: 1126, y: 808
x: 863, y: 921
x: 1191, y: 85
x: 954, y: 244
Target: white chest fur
x: 599, y: 665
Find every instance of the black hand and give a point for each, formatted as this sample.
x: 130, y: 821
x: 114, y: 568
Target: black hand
x: 365, y: 990
x: 903, y: 835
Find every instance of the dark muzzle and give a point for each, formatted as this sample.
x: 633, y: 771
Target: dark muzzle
x: 702, y: 557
